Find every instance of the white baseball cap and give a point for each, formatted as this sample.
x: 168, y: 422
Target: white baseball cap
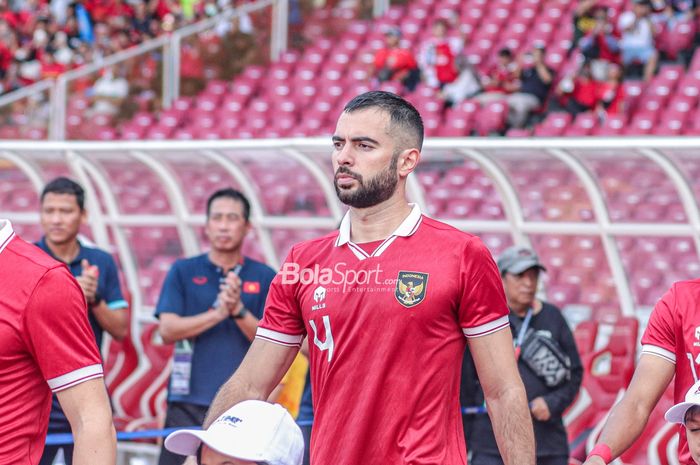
x: 252, y: 430
x: 676, y: 414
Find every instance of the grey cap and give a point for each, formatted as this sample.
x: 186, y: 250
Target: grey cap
x: 517, y: 259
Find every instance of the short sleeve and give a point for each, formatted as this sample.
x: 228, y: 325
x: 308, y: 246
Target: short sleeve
x: 113, y: 292
x: 172, y: 295
x: 58, y: 334
x: 482, y: 307
x: 282, y: 322
x: 659, y: 336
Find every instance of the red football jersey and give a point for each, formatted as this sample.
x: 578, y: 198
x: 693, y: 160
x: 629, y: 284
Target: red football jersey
x: 47, y: 344
x: 386, y: 338
x: 673, y: 333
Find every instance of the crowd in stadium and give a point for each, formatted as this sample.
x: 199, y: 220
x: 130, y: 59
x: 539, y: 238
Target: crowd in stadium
x: 41, y: 39
x: 613, y: 46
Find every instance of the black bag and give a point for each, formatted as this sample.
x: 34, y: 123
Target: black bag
x: 545, y: 358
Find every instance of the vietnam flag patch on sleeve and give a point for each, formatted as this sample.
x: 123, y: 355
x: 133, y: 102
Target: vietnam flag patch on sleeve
x: 251, y: 287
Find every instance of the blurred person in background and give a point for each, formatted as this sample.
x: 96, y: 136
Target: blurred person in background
x: 600, y: 45
x: 501, y: 79
x: 535, y: 79
x: 583, y: 20
x: 47, y: 347
x: 394, y: 63
x: 548, y: 362
x: 61, y: 215
x: 611, y: 93
x: 209, y: 307
x: 437, y: 59
x: 579, y: 93
x: 637, y: 38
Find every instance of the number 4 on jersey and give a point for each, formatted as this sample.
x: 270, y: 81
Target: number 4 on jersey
x: 328, y: 343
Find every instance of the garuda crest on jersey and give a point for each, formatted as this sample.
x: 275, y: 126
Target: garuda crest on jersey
x: 410, y: 288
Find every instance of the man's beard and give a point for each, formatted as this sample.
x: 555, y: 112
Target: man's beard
x: 375, y: 191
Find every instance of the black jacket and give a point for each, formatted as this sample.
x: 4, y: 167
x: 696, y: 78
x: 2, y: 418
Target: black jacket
x: 550, y: 436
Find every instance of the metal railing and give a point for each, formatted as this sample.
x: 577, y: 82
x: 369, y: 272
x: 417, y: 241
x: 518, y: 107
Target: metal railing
x: 170, y: 46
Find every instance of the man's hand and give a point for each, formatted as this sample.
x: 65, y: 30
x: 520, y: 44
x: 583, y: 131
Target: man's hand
x: 230, y: 296
x: 88, y: 280
x: 539, y: 409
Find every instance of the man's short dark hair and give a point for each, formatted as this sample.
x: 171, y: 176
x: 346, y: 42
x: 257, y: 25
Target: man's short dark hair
x: 505, y: 52
x: 63, y: 185
x: 231, y: 194
x: 403, y: 115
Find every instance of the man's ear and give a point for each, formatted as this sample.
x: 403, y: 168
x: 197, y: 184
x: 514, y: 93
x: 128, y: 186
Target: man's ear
x: 408, y: 160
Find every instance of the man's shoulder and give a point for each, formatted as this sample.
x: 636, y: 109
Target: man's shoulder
x: 689, y: 288
x: 447, y: 232
x: 29, y: 256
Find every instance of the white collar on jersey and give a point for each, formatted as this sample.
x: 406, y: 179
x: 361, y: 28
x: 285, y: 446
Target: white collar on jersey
x: 6, y: 233
x: 407, y: 227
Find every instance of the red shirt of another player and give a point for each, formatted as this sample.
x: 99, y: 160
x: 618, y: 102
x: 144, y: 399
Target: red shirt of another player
x: 47, y: 344
x: 673, y: 333
x: 386, y: 338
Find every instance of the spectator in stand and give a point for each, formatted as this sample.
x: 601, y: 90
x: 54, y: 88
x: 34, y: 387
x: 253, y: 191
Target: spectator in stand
x: 109, y: 93
x: 49, y: 68
x: 637, y: 37
x: 600, y: 45
x: 502, y: 79
x: 465, y: 86
x: 677, y: 11
x: 394, y: 63
x: 580, y: 93
x: 583, y: 20
x: 535, y: 79
x: 437, y: 60
x: 611, y: 93
x: 551, y: 373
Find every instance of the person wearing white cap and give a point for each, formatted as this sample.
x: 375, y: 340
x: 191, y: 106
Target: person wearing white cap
x: 250, y: 432
x: 688, y: 414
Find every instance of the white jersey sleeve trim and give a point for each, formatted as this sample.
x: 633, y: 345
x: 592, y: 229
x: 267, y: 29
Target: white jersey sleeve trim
x: 659, y: 352
x: 75, y: 377
x: 276, y: 337
x: 488, y: 328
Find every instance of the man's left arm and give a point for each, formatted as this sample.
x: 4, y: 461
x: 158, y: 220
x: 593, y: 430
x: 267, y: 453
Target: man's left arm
x: 112, y: 311
x: 505, y: 396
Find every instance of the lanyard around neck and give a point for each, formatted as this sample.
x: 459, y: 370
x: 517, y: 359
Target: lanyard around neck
x: 523, y: 329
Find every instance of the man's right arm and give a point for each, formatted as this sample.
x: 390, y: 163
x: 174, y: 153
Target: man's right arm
x: 629, y: 417
x: 87, y: 408
x: 260, y: 371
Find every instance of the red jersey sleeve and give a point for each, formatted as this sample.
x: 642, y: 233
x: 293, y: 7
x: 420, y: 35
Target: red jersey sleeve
x: 282, y: 321
x: 482, y: 308
x: 57, y: 332
x: 660, y: 337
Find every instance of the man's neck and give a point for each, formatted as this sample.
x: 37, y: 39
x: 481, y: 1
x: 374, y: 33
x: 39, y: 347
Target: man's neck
x: 521, y: 311
x: 226, y: 260
x: 66, y: 252
x: 378, y: 222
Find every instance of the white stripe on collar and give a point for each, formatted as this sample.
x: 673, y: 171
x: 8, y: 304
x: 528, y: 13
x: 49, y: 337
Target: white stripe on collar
x: 6, y: 233
x: 407, y: 227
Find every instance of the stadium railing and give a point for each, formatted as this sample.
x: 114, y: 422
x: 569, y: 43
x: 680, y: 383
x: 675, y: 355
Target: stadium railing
x: 57, y: 92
